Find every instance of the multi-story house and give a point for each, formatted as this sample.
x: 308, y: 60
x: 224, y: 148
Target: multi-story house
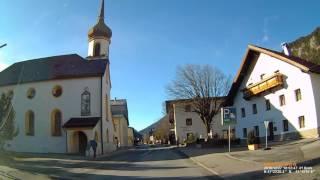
x: 186, y: 124
x: 279, y: 88
x: 120, y: 120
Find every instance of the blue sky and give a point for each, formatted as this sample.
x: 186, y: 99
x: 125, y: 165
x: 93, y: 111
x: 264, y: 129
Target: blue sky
x: 152, y: 37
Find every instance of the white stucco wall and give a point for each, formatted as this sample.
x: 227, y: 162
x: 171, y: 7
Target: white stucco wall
x: 294, y: 79
x: 69, y: 103
x: 106, y: 113
x: 104, y: 46
x: 130, y: 137
x: 121, y: 130
x: 197, y: 128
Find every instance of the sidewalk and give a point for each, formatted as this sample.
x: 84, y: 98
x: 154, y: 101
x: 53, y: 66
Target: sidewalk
x: 244, y: 164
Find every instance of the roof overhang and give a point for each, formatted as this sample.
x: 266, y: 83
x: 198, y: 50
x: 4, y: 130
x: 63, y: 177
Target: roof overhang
x: 252, y: 54
x: 82, y: 122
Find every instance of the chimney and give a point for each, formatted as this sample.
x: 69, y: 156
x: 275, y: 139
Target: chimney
x: 286, y: 49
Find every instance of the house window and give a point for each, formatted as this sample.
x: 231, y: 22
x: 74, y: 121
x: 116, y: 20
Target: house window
x: 85, y: 103
x: 189, y: 122
x: 256, y: 130
x: 187, y: 108
x: 268, y: 105
x: 298, y: 94
x: 243, y: 112
x: 29, y: 123
x: 233, y: 133
x: 282, y: 100
x: 285, y: 125
x: 262, y: 76
x: 254, y: 109
x: 245, y: 134
x: 97, y: 49
x: 225, y: 134
x: 56, y: 121
x: 301, y: 122
x: 31, y: 93
x: 57, y: 91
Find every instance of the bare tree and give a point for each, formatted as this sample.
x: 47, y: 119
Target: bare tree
x: 204, y: 85
x: 8, y: 129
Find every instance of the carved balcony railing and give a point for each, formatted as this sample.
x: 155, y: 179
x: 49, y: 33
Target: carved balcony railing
x: 264, y: 85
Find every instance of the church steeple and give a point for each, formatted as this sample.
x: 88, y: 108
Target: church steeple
x: 99, y: 38
x: 101, y: 15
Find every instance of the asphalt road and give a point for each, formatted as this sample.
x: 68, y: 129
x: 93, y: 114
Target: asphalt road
x: 141, y: 163
x: 150, y: 163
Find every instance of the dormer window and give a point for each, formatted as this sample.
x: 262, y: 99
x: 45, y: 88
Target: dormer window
x: 97, y: 48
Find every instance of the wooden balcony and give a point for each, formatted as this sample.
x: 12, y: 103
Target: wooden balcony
x: 264, y: 85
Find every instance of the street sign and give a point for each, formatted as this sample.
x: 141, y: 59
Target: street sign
x: 228, y: 115
x: 266, y: 124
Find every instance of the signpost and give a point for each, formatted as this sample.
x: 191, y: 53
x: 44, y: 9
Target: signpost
x: 266, y: 124
x: 228, y: 117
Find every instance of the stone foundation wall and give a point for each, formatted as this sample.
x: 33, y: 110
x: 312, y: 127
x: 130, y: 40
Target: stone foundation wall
x: 310, y: 133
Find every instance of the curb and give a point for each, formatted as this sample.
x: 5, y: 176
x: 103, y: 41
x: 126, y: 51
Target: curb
x: 197, y: 162
x: 113, y: 153
x: 244, y: 160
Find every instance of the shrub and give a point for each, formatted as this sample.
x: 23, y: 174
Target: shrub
x: 252, y: 139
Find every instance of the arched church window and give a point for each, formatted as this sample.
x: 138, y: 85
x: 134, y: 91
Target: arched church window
x: 56, y: 120
x: 85, y: 103
x: 97, y: 48
x: 29, y: 123
x: 57, y: 91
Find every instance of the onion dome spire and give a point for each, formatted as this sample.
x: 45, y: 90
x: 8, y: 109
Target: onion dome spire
x: 100, y: 29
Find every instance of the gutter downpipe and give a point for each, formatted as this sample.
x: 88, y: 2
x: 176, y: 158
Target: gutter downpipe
x: 101, y: 102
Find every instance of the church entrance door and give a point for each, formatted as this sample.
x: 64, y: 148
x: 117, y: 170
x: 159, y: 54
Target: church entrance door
x: 82, y: 143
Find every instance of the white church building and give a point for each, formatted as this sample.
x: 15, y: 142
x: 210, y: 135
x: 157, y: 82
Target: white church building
x: 62, y: 102
x: 279, y: 88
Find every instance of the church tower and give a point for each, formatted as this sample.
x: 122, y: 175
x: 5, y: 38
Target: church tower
x: 99, y: 38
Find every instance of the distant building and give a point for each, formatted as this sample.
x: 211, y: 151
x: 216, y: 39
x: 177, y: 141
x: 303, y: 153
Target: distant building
x: 187, y: 124
x: 282, y: 89
x: 131, y: 138
x: 120, y: 120
x: 62, y: 102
